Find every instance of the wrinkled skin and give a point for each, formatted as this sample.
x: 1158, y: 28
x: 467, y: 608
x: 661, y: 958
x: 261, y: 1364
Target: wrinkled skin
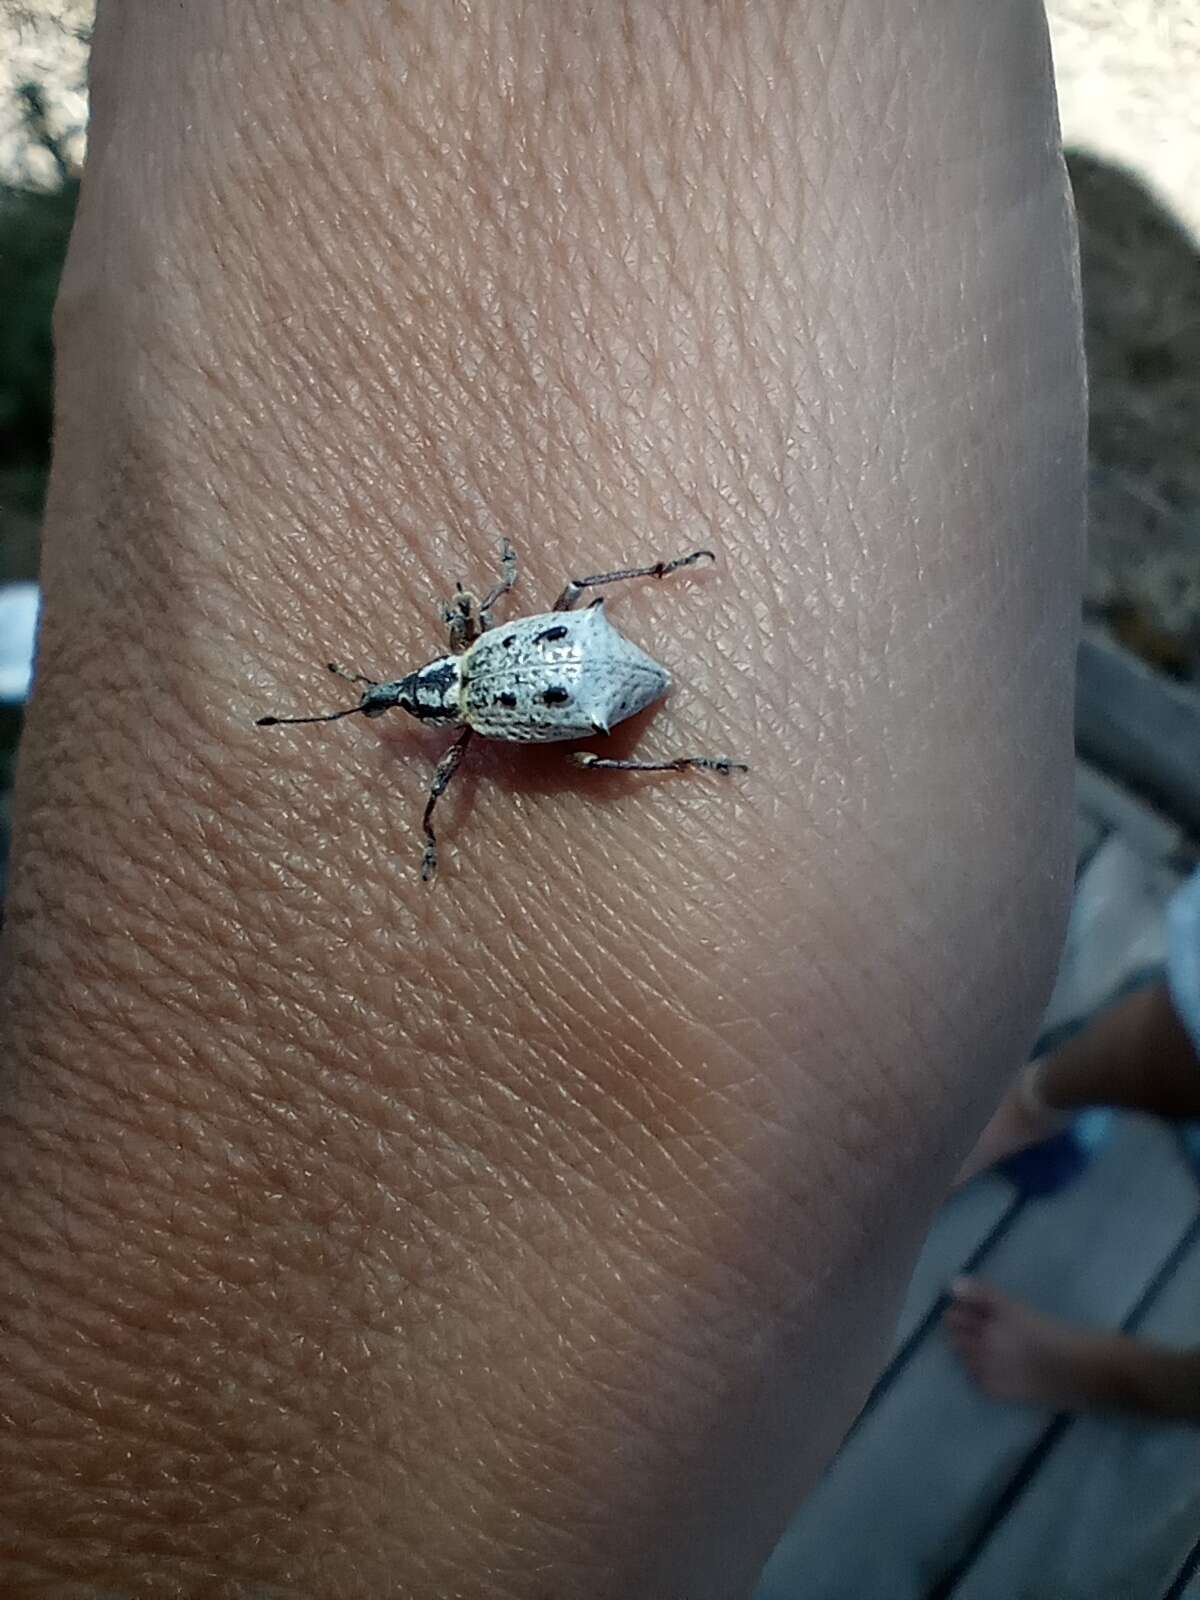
x: 537, y: 1233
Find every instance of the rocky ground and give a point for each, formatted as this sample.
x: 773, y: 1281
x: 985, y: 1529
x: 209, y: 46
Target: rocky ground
x: 1141, y: 276
x: 1127, y: 73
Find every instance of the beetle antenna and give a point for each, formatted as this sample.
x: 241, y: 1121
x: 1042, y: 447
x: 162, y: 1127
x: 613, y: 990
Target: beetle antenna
x: 352, y: 677
x: 329, y: 716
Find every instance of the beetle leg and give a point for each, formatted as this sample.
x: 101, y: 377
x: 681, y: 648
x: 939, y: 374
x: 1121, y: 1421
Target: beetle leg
x: 462, y: 620
x: 446, y: 768
x: 466, y: 617
x: 660, y: 569
x: 585, y: 758
x: 508, y: 577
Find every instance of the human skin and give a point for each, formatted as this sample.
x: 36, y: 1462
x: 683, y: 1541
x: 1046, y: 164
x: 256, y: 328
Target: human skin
x: 1017, y: 1354
x: 537, y: 1232
x: 1135, y: 1054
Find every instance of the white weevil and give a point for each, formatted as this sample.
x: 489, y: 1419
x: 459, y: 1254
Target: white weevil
x: 563, y: 674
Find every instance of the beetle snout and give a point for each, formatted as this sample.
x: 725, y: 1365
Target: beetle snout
x: 381, y: 697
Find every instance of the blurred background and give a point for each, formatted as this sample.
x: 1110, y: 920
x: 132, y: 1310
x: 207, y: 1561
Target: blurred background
x: 43, y: 118
x: 939, y: 1491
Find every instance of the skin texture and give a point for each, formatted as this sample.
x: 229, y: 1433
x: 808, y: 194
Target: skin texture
x: 535, y: 1234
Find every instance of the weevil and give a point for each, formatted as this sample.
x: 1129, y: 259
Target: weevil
x: 563, y: 674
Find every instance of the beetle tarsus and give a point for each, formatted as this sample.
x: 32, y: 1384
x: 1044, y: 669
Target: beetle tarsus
x: 508, y: 578
x: 721, y: 764
x: 659, y: 569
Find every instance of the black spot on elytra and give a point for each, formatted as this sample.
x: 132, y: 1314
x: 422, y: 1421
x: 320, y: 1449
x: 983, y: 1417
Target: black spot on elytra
x: 557, y: 696
x: 506, y: 699
x: 507, y: 643
x: 550, y: 635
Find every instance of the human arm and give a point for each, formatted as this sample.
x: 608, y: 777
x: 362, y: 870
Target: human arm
x: 537, y: 1232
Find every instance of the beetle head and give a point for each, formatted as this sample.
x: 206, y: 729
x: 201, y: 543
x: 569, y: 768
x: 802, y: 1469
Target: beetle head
x: 431, y: 694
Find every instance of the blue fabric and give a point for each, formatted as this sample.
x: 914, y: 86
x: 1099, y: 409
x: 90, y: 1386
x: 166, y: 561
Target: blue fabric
x: 1042, y: 1169
x: 1045, y: 1168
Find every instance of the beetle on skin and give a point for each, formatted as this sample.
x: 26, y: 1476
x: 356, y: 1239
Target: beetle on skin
x: 562, y: 674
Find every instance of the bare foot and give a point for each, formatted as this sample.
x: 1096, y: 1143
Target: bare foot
x: 1017, y: 1123
x: 1015, y: 1353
